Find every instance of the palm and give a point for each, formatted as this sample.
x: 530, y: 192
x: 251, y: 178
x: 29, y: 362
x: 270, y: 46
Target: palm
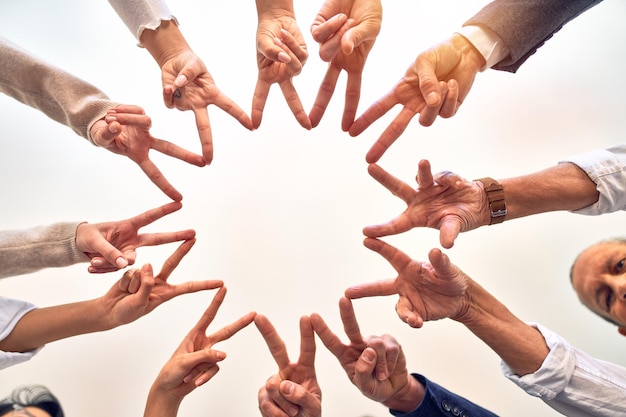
x: 199, y: 92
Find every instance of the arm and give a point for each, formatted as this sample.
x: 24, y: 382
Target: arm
x: 511, y: 21
x: 59, y: 95
x: 187, y: 84
x: 293, y: 389
x: 26, y: 251
x: 11, y: 312
x: 589, y: 183
x: 377, y: 367
x: 193, y: 363
x: 346, y: 32
x: 136, y: 294
x: 281, y: 54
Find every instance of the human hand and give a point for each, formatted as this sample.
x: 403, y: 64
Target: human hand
x: 435, y: 84
x: 139, y: 292
x: 446, y: 202
x: 294, y: 390
x: 194, y: 362
x: 376, y: 365
x: 125, y: 130
x: 281, y: 54
x: 346, y: 32
x: 427, y: 291
x: 112, y: 245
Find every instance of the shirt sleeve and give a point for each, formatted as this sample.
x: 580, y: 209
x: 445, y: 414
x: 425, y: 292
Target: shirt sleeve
x: 487, y: 42
x: 59, y: 95
x: 572, y: 382
x: 607, y: 169
x: 11, y: 312
x: 26, y: 251
x: 139, y: 15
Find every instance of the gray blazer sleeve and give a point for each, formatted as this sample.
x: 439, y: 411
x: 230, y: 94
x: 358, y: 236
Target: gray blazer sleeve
x: 525, y: 25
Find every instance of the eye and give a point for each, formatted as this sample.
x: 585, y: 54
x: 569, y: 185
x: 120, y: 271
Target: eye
x: 620, y: 265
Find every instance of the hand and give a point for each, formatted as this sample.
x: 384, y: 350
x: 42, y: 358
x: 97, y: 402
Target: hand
x: 436, y: 84
x: 375, y: 365
x: 187, y: 85
x: 194, y: 362
x: 139, y: 292
x: 346, y: 32
x: 112, y: 245
x: 125, y: 130
x: 427, y: 291
x: 294, y: 391
x: 281, y: 54
x: 446, y: 202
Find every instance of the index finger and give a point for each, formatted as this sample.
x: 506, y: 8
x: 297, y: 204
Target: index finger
x: 390, y: 134
x: 395, y: 185
x: 204, y: 132
x: 228, y: 331
x: 307, y: 343
x: 230, y: 107
x: 372, y: 289
x: 274, y: 342
x: 398, y: 259
x: 350, y: 324
x: 353, y: 95
x: 154, y: 214
x: 211, y: 311
x: 172, y: 262
x: 330, y: 339
x: 158, y: 179
x: 374, y: 112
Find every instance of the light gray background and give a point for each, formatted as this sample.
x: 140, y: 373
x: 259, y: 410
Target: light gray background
x: 279, y: 213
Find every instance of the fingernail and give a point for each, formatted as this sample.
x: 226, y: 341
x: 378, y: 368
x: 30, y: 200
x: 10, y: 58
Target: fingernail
x: 284, y: 58
x: 288, y: 388
x: 382, y: 376
x: 432, y: 98
x: 180, y: 81
x: 121, y: 262
x: 97, y: 262
x: 368, y: 356
x: 278, y: 41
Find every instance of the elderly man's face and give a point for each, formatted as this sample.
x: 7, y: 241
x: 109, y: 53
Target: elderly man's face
x: 599, y: 279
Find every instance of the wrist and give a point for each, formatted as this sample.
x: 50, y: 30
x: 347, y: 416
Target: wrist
x: 494, y: 200
x: 164, y: 42
x: 407, y: 398
x: 274, y: 8
x: 468, y: 51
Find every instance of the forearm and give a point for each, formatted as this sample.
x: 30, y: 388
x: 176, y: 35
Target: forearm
x: 270, y: 8
x: 521, y: 346
x: 26, y: 251
x: 44, y: 325
x: 59, y: 95
x: 160, y: 404
x: 562, y: 187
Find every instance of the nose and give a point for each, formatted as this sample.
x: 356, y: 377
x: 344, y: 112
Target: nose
x: 621, y: 290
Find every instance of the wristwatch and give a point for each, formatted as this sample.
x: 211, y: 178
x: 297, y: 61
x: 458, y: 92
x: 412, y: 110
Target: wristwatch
x: 495, y: 196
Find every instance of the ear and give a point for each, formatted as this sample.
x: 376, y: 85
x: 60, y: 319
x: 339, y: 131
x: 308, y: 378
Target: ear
x: 622, y: 330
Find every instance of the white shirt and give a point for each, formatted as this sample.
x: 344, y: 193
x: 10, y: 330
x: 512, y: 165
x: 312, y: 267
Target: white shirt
x: 574, y: 383
x: 12, y: 311
x: 607, y: 168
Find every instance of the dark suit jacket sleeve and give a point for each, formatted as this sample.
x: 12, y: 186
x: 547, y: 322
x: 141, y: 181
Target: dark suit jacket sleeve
x: 438, y: 401
x: 525, y: 25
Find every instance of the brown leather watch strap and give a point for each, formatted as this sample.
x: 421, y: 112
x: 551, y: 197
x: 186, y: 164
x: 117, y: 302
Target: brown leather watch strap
x: 495, y: 196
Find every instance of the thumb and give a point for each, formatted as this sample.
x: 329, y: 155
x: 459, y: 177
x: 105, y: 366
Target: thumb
x: 191, y: 68
x: 110, y: 253
x: 428, y: 82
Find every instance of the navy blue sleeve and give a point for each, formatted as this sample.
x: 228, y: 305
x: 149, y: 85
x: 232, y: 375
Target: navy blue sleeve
x: 525, y: 25
x: 438, y: 401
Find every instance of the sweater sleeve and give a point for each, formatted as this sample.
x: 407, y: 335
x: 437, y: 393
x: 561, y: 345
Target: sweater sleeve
x: 525, y: 25
x: 59, y: 95
x: 26, y: 251
x: 139, y: 15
